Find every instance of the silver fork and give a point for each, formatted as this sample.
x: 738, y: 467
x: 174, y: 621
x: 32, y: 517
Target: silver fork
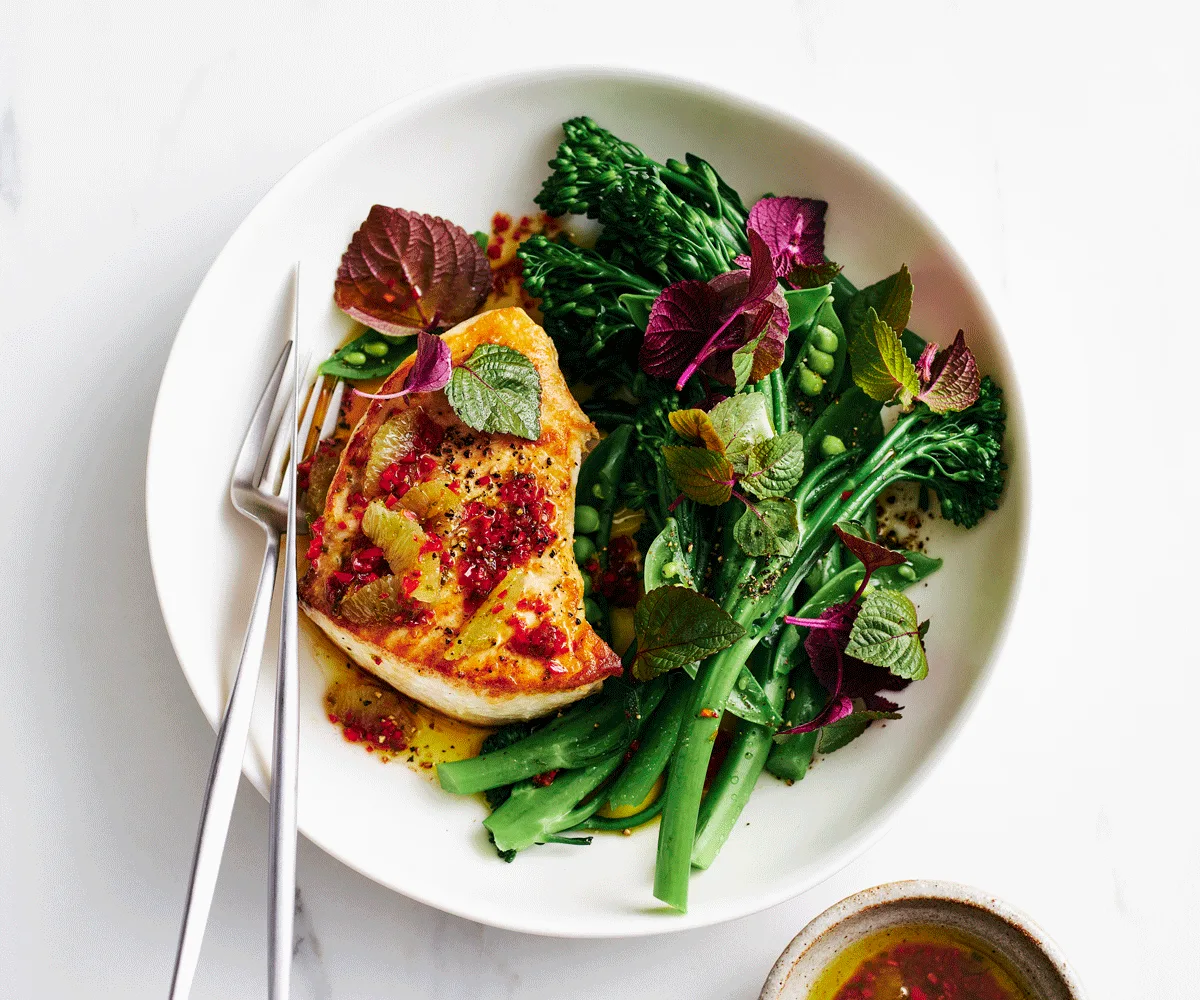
x: 258, y: 493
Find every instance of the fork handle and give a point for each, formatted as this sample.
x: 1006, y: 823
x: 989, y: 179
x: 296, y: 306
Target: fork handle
x: 224, y: 774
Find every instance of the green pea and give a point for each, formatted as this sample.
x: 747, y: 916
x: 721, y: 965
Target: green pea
x: 585, y: 548
x: 819, y: 361
x: 587, y: 519
x: 354, y: 358
x: 824, y: 339
x: 906, y: 572
x: 671, y: 570
x: 811, y: 383
x: 598, y: 491
x: 591, y: 611
x: 587, y: 584
x: 832, y: 445
x: 377, y: 349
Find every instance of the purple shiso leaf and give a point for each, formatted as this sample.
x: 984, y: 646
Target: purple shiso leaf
x: 760, y: 282
x: 404, y: 270
x: 681, y: 320
x: 949, y: 379
x: 844, y: 677
x: 696, y: 324
x: 838, y: 707
x: 872, y: 555
x: 431, y: 366
x: 793, y: 229
x: 430, y: 370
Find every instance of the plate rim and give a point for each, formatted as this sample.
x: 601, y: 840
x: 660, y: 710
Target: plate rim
x: 1019, y: 465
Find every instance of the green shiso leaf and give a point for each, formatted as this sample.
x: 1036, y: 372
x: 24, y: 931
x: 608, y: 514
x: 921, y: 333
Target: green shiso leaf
x: 675, y: 627
x: 887, y: 634
x: 497, y: 390
x: 768, y: 528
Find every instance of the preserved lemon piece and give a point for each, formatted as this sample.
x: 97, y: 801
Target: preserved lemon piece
x: 489, y: 626
x: 372, y: 603
x: 394, y: 439
x: 409, y: 550
x: 430, y: 500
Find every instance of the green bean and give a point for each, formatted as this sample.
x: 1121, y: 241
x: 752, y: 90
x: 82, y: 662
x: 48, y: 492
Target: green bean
x: 587, y: 733
x: 649, y: 761
x: 592, y: 611
x: 614, y: 824
x: 600, y: 478
x: 735, y: 779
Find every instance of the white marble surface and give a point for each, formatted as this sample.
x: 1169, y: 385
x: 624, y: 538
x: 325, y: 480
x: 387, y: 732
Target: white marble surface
x: 1056, y: 143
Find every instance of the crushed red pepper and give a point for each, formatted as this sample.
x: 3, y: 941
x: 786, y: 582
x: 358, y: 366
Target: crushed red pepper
x: 925, y: 971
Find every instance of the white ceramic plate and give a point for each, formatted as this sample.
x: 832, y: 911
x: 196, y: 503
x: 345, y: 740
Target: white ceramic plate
x: 464, y: 153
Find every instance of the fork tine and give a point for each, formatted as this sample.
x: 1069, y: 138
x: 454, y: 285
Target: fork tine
x: 251, y: 452
x: 271, y: 477
x: 329, y: 424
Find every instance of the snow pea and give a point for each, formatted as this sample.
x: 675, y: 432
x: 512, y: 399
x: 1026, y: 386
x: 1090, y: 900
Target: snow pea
x: 370, y: 356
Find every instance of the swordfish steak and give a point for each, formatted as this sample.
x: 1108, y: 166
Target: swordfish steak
x: 443, y: 563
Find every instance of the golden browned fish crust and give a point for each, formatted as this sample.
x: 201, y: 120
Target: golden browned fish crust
x: 505, y: 642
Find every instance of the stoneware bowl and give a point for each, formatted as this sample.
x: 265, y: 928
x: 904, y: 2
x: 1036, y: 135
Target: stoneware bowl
x: 1032, y: 955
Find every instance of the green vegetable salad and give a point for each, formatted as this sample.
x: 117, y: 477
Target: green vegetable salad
x: 755, y: 405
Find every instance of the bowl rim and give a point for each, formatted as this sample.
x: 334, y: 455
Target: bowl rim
x: 902, y: 891
x: 692, y: 88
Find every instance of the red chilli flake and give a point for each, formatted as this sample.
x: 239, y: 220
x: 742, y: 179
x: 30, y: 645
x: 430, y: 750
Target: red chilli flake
x: 924, y: 971
x: 543, y: 642
x: 503, y: 536
x: 545, y: 779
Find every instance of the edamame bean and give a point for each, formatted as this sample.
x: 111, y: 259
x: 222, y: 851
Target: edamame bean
x: 824, y: 339
x: 591, y: 611
x: 819, y: 361
x: 355, y: 358
x: 584, y: 549
x: 377, y: 349
x: 811, y: 383
x: 587, y: 519
x: 832, y: 445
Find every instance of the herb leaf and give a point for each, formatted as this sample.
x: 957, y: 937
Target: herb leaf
x: 880, y: 365
x: 775, y: 466
x: 405, y: 271
x: 498, y: 390
x: 793, y: 230
x: 949, y: 379
x: 696, y: 427
x: 886, y: 633
x: 837, y: 734
x: 768, y: 528
x: 430, y: 369
x: 741, y: 422
x: 374, y: 365
x: 638, y: 307
x: 676, y: 626
x: 871, y: 554
x: 704, y: 476
x: 891, y: 299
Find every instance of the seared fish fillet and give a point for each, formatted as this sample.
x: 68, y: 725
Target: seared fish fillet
x: 445, y: 562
